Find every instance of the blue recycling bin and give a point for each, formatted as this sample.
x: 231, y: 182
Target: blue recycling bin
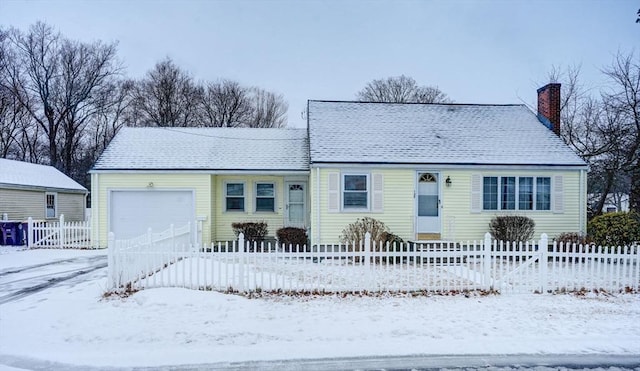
x: 12, y: 233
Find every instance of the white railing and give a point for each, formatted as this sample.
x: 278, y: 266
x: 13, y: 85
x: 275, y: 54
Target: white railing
x: 410, y: 267
x: 60, y: 234
x: 135, y: 259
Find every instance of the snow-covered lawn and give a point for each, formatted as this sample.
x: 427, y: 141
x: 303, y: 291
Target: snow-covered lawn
x: 72, y: 323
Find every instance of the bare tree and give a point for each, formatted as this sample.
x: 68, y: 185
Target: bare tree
x: 269, y: 110
x: 13, y: 120
x: 623, y: 100
x: 55, y: 80
x: 589, y: 127
x: 400, y: 89
x: 111, y: 113
x: 32, y: 78
x: 166, y: 96
x: 88, y: 71
x: 114, y: 112
x: 226, y: 103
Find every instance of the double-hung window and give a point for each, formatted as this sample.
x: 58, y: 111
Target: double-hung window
x: 265, y: 197
x: 234, y: 196
x: 516, y: 193
x: 50, y: 205
x: 490, y: 193
x: 355, y: 191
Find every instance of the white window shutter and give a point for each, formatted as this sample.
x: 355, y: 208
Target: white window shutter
x: 333, y: 192
x: 377, y: 193
x: 558, y: 194
x: 476, y: 193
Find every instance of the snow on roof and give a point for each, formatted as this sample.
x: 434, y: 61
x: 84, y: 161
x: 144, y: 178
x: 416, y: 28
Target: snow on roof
x: 206, y: 149
x: 358, y: 132
x: 25, y: 174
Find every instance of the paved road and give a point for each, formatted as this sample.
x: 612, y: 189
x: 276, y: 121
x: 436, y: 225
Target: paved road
x: 435, y: 362
x: 418, y: 363
x: 24, y: 281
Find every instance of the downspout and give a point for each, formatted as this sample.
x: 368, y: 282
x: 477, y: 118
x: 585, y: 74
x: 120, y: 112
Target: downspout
x: 582, y: 203
x: 95, y: 212
x: 318, y: 207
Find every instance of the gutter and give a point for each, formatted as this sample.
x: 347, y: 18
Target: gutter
x: 22, y: 187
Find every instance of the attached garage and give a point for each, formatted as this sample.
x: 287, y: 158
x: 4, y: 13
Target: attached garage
x: 133, y: 212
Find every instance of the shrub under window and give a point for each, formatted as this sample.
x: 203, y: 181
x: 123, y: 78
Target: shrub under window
x: 512, y: 228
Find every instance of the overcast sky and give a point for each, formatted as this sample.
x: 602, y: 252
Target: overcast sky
x: 475, y: 51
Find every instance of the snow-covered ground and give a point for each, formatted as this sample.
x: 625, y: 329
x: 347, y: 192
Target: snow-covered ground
x: 71, y: 323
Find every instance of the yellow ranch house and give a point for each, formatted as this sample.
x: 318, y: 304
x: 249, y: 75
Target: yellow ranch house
x: 428, y: 171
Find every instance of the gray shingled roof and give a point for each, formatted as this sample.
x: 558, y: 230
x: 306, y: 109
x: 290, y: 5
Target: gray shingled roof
x: 206, y: 149
x: 357, y: 132
x: 28, y: 175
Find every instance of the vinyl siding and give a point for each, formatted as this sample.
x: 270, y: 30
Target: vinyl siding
x: 458, y: 222
x: 223, y: 219
x: 72, y: 206
x: 397, y: 210
x: 102, y: 183
x: 21, y: 204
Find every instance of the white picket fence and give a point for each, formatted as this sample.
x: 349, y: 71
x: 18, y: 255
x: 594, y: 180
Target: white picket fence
x: 129, y: 260
x: 60, y: 234
x: 369, y: 267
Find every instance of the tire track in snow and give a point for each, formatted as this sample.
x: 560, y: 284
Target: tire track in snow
x: 56, y: 278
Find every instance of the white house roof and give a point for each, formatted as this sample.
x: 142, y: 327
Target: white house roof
x: 230, y: 149
x: 358, y: 132
x: 27, y: 175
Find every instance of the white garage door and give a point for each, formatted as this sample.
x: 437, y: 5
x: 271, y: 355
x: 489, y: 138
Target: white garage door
x: 132, y: 213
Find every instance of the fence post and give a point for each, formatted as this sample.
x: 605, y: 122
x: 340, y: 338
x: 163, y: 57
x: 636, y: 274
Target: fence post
x: 367, y: 249
x: 637, y: 265
x: 30, y: 233
x: 149, y: 236
x: 61, y: 236
x: 543, y: 247
x: 367, y: 260
x: 172, y: 233
x: 486, y: 257
x: 190, y: 247
x: 111, y: 246
x: 241, y: 247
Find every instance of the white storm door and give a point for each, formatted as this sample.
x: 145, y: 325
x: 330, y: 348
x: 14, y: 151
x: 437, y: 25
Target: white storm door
x: 133, y: 212
x: 295, y: 204
x: 428, y: 203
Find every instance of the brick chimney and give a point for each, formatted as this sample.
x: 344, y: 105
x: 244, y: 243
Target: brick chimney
x: 549, y: 106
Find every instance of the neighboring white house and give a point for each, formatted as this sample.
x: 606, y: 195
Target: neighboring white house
x: 39, y: 191
x: 613, y: 203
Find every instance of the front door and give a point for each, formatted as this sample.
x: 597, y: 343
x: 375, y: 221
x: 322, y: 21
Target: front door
x: 428, y: 203
x: 295, y: 204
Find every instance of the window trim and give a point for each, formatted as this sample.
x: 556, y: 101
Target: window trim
x: 255, y: 197
x: 367, y: 191
x: 244, y: 196
x: 55, y: 205
x: 501, y: 196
